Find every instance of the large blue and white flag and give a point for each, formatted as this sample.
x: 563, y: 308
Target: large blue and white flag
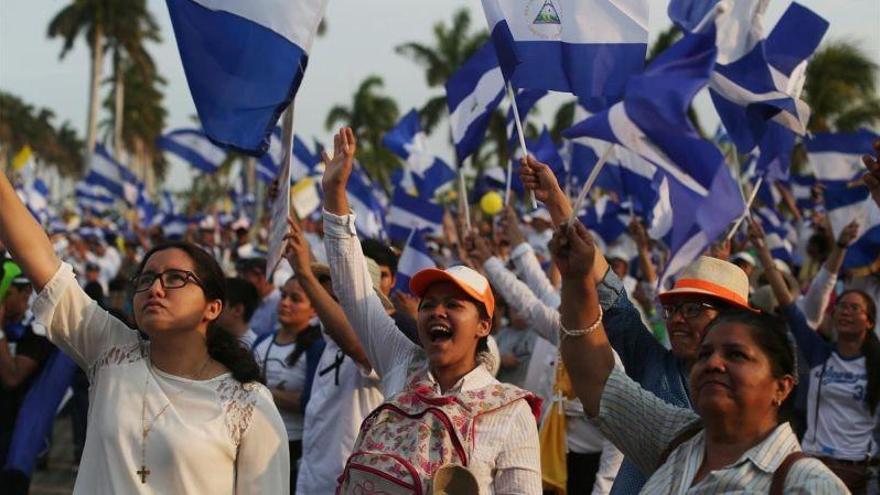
x: 409, y: 212
x: 586, y: 47
x: 846, y: 204
x: 106, y: 172
x: 652, y: 121
x: 763, y: 86
x: 423, y: 171
x: 244, y: 62
x: 838, y: 157
x: 194, y: 147
x: 414, y: 258
x: 526, y: 99
x: 366, y: 204
x: 472, y: 94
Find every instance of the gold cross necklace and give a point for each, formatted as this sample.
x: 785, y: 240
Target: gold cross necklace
x: 143, y: 472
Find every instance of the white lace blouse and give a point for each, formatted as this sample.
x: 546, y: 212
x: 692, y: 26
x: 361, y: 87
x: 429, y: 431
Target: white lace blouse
x: 215, y: 436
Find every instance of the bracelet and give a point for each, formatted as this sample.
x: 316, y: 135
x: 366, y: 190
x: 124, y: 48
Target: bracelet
x: 585, y: 331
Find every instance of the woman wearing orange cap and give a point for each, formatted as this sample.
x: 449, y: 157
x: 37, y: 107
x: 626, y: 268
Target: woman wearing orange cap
x: 444, y: 407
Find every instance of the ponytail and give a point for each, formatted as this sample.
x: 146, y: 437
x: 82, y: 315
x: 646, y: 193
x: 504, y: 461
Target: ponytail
x: 303, y: 341
x: 224, y: 348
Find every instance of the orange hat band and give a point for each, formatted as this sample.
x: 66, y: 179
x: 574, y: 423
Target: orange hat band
x: 720, y: 291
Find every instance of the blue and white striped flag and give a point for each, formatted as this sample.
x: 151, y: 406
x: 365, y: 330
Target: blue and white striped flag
x: 244, y: 62
x: 194, y: 147
x: 414, y: 258
x: 106, y: 172
x: 424, y: 172
x: 777, y: 231
x: 838, y: 157
x: 526, y: 99
x: 472, y: 94
x: 586, y: 47
x: 303, y: 163
x: 366, y: 204
x: 846, y: 204
x: 410, y: 212
x: 92, y: 199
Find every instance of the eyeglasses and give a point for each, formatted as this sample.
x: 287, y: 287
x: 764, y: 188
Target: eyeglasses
x: 169, y: 279
x: 689, y: 310
x: 849, y: 308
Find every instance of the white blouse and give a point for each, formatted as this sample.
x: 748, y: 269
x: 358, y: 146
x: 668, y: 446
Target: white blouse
x: 215, y: 436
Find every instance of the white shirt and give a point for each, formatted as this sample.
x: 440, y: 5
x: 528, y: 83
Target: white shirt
x: 215, y: 436
x: 272, y: 358
x: 506, y: 457
x: 342, y: 396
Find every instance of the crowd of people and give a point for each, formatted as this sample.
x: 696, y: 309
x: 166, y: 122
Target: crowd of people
x: 533, y: 359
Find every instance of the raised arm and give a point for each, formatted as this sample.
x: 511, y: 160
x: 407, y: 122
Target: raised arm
x: 25, y: 240
x: 523, y: 257
x: 329, y: 311
x: 815, y: 301
x: 643, y: 242
x: 774, y: 277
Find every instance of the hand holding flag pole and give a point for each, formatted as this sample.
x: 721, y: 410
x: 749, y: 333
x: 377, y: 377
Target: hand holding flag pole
x: 530, y: 196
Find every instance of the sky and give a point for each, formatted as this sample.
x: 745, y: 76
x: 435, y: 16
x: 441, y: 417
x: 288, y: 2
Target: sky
x: 360, y: 41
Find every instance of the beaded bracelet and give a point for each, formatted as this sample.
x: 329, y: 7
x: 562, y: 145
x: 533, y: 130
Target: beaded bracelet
x: 580, y: 333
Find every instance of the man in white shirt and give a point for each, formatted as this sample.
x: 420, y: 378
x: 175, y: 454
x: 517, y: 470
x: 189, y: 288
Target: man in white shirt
x: 241, y: 301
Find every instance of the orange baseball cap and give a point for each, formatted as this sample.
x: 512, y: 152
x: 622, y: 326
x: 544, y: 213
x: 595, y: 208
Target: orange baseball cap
x: 468, y: 280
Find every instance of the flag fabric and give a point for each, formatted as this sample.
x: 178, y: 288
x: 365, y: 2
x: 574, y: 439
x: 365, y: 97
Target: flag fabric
x: 606, y: 218
x: 414, y: 258
x: 194, y: 147
x: 585, y: 154
x: 838, y: 157
x: 22, y: 158
x: 472, y: 94
x: 777, y: 231
x: 801, y: 187
x: 544, y: 150
x: 652, y: 122
x: 369, y: 212
x: 35, y: 196
x: 526, y: 99
x: 846, y: 204
x: 739, y: 28
x: 33, y: 425
x: 244, y: 62
x: 423, y: 171
x: 93, y: 199
x: 303, y: 163
x: 409, y: 212
x: 111, y: 175
x: 585, y: 47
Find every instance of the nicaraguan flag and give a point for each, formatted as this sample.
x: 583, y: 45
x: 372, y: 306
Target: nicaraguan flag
x: 801, y: 187
x: 544, y: 150
x: 146, y: 209
x: 409, y: 212
x: 585, y: 154
x: 606, y: 218
x: 838, y: 157
x: 846, y: 204
x: 414, y: 258
x: 194, y: 147
x: 369, y: 212
x: 423, y: 171
x: 244, y: 62
x: 777, y: 232
x: 639, y: 182
x: 117, y: 179
x: 303, y: 163
x: 586, y: 47
x: 472, y: 94
x: 91, y: 199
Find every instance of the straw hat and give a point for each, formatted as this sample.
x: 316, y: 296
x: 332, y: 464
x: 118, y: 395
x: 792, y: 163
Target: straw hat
x: 468, y: 280
x: 713, y: 277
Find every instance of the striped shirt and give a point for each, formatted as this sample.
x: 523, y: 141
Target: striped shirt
x: 642, y: 426
x: 506, y: 455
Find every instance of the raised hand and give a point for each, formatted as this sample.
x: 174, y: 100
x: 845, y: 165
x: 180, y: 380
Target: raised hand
x: 296, y: 249
x: 638, y: 233
x: 756, y: 234
x: 478, y: 249
x: 538, y: 178
x: 573, y: 251
x: 511, y: 228
x: 338, y: 170
x: 872, y: 178
x: 848, y: 235
x: 407, y: 303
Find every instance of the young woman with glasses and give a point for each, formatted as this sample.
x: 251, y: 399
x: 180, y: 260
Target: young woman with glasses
x: 844, y: 380
x: 181, y: 411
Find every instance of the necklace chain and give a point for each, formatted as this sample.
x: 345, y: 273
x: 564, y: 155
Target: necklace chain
x: 146, y: 427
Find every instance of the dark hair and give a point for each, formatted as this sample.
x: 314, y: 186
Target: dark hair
x: 222, y: 346
x: 871, y: 349
x: 771, y: 335
x: 381, y: 253
x: 822, y: 243
x: 304, y: 340
x: 240, y: 291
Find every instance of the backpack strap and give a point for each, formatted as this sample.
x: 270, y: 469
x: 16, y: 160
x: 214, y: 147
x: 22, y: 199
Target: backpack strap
x: 778, y: 485
x: 683, y: 436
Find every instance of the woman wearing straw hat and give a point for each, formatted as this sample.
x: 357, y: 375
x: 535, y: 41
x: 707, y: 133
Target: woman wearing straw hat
x: 745, y: 369
x: 444, y: 407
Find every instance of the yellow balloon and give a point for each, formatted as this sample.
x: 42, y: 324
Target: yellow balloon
x: 491, y: 203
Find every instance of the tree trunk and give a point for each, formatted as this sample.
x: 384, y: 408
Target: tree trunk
x: 97, y: 69
x: 119, y: 106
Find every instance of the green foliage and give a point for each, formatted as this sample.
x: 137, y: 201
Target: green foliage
x: 841, y: 88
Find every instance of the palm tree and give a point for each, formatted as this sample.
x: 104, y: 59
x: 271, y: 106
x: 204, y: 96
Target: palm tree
x: 21, y: 124
x: 841, y: 88
x: 86, y: 18
x: 370, y: 115
x: 453, y: 45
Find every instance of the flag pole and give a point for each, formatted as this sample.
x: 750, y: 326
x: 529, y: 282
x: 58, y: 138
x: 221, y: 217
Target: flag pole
x: 594, y: 174
x: 530, y: 196
x: 462, y: 193
x: 720, y: 8
x: 746, y: 213
x: 280, y: 208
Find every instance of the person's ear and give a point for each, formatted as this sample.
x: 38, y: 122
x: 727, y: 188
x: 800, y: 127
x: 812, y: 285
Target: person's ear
x: 213, y: 309
x: 484, y: 327
x: 784, y: 386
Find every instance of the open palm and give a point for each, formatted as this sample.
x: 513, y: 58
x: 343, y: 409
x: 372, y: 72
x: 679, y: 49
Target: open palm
x: 338, y: 168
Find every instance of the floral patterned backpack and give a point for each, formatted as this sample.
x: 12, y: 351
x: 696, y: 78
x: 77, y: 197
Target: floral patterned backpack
x: 405, y: 441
